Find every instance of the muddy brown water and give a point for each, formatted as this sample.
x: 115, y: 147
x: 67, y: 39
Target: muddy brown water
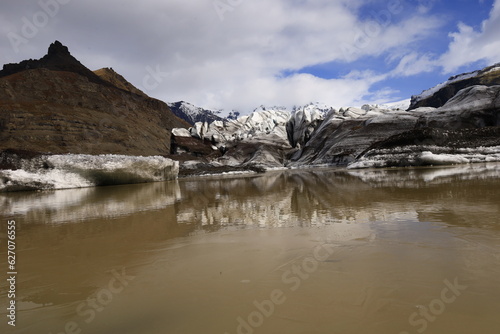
x: 308, y: 251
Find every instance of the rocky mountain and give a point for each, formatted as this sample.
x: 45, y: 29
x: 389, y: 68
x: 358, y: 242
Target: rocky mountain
x: 193, y: 114
x: 438, y: 96
x: 55, y: 105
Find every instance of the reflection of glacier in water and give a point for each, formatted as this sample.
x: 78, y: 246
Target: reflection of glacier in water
x: 324, y: 197
x: 314, y: 197
x: 75, y: 205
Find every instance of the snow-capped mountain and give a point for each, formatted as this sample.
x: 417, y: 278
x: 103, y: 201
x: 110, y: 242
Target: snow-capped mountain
x: 399, y: 105
x: 192, y: 114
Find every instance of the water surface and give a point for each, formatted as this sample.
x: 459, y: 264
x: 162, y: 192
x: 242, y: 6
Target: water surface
x: 305, y: 251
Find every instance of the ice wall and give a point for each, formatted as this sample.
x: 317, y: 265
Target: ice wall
x: 79, y: 171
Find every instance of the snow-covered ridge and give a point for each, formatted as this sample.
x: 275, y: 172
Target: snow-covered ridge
x: 192, y: 113
x: 431, y: 91
x: 456, y: 78
x: 79, y: 171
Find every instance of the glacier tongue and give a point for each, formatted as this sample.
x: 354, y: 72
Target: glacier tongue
x: 78, y: 171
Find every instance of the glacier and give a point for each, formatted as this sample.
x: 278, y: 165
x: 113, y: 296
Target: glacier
x: 463, y: 130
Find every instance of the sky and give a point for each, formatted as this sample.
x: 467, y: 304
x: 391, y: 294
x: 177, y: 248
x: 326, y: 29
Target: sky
x: 241, y: 54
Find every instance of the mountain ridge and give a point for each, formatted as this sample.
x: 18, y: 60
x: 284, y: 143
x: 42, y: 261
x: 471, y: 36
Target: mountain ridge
x: 117, y: 80
x: 55, y: 105
x: 193, y: 114
x: 437, y: 96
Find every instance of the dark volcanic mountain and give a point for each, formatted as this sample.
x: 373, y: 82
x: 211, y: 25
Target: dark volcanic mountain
x: 437, y: 97
x: 57, y: 105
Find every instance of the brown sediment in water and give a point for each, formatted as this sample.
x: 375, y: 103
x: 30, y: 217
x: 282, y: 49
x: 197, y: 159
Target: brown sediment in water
x: 317, y: 251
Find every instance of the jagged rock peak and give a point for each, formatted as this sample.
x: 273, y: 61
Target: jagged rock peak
x: 58, y: 48
x: 58, y: 58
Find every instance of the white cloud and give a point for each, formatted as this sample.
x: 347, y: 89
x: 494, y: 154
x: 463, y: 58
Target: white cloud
x: 469, y: 45
x: 414, y: 63
x: 233, y: 63
x: 424, y: 6
x: 238, y: 64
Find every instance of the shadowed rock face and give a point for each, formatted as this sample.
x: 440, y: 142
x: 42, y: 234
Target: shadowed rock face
x: 340, y: 141
x: 56, y: 105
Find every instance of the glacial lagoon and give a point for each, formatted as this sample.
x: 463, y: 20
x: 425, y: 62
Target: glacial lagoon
x: 316, y: 251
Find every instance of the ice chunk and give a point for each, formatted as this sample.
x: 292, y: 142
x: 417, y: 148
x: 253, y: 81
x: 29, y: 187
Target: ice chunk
x: 78, y: 171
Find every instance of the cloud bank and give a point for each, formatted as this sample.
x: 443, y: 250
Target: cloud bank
x: 239, y: 54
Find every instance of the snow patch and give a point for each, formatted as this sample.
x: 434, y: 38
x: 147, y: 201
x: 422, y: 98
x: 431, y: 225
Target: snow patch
x: 493, y: 69
x: 399, y: 105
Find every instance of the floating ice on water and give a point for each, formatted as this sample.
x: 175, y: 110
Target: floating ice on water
x: 78, y: 171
